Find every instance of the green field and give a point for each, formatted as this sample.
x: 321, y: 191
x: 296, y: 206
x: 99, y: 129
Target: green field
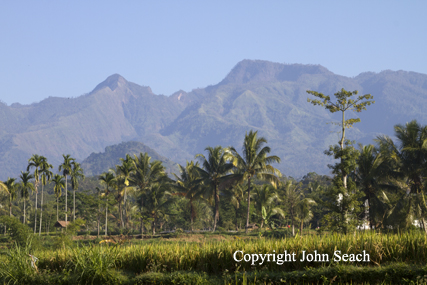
x: 208, y: 259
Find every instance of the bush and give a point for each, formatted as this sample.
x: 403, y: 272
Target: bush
x: 17, y: 230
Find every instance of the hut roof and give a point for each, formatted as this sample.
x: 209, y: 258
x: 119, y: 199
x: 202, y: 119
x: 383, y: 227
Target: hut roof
x: 61, y: 224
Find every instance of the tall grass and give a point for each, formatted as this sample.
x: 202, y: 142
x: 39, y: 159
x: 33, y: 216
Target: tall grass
x: 217, y: 257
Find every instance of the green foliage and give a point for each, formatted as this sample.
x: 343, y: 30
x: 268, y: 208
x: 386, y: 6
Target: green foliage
x: 17, y: 267
x: 17, y: 230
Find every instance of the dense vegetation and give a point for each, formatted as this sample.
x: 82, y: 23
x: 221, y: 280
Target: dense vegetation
x: 226, y: 190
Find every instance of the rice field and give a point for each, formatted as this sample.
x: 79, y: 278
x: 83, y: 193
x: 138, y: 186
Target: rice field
x: 114, y: 264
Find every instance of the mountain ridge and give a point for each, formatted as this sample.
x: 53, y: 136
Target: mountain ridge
x: 260, y: 95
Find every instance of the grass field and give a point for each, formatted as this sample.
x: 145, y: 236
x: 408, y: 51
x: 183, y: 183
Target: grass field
x: 208, y: 259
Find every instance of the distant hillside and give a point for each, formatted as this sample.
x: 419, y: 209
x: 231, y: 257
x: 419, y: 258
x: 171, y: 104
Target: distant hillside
x: 97, y: 163
x: 259, y: 95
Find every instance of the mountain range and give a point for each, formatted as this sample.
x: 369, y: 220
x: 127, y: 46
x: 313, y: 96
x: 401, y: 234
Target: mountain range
x: 264, y: 96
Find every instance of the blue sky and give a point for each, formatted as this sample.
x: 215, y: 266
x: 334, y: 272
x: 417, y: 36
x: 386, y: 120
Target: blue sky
x: 65, y: 48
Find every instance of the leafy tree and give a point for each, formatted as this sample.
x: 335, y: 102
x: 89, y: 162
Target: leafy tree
x: 214, y: 172
x: 25, y: 186
x: 254, y: 163
x: 18, y: 231
x: 66, y: 168
x: 344, y: 102
x: 36, y: 161
x: 109, y: 181
x: 75, y: 174
x: 59, y: 183
x: 45, y: 177
x: 344, y: 202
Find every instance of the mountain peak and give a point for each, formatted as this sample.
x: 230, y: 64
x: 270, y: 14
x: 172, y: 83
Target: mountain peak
x: 263, y: 71
x: 112, y: 82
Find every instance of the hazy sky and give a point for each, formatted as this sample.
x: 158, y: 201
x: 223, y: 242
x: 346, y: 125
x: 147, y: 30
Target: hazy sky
x: 65, y: 48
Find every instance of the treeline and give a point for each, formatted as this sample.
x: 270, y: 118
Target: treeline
x: 388, y: 183
x: 378, y: 186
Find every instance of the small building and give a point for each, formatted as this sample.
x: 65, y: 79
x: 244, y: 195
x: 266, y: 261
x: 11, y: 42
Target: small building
x: 61, y: 224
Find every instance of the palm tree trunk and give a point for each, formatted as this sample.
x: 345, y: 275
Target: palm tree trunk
x: 191, y: 215
x: 121, y: 215
x: 97, y: 226
x: 66, y: 202
x: 216, y: 196
x: 57, y: 203
x: 106, y: 219
x: 41, y: 211
x: 24, y: 210
x: 74, y: 204
x: 301, y: 227
x: 35, y: 214
x: 124, y: 209
x: 10, y: 205
x: 249, y: 205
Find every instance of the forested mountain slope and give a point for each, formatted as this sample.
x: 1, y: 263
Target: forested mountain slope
x: 260, y: 95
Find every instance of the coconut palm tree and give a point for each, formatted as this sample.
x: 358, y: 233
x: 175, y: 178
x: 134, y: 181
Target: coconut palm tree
x: 254, y: 163
x: 36, y: 161
x: 9, y: 186
x: 59, y: 184
x: 265, y: 199
x: 156, y: 203
x: 291, y: 197
x: 303, y: 211
x: 371, y: 176
x: 409, y: 159
x: 75, y: 174
x: 45, y: 177
x: 66, y: 168
x: 25, y: 186
x: 144, y: 174
x: 109, y: 181
x: 188, y: 185
x: 236, y: 195
x: 216, y: 171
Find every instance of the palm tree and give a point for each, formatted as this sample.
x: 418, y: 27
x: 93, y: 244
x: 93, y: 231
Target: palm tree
x: 10, y: 187
x: 409, y: 159
x: 265, y: 199
x: 146, y: 173
x: 123, y: 173
x: 58, y: 185
x: 236, y: 196
x: 108, y: 180
x: 255, y: 163
x: 75, y: 174
x: 291, y: 196
x: 188, y: 185
x: 66, y: 170
x: 25, y: 185
x: 155, y: 203
x: 46, y: 175
x: 303, y: 211
x: 35, y: 161
x: 371, y: 174
x: 216, y: 170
